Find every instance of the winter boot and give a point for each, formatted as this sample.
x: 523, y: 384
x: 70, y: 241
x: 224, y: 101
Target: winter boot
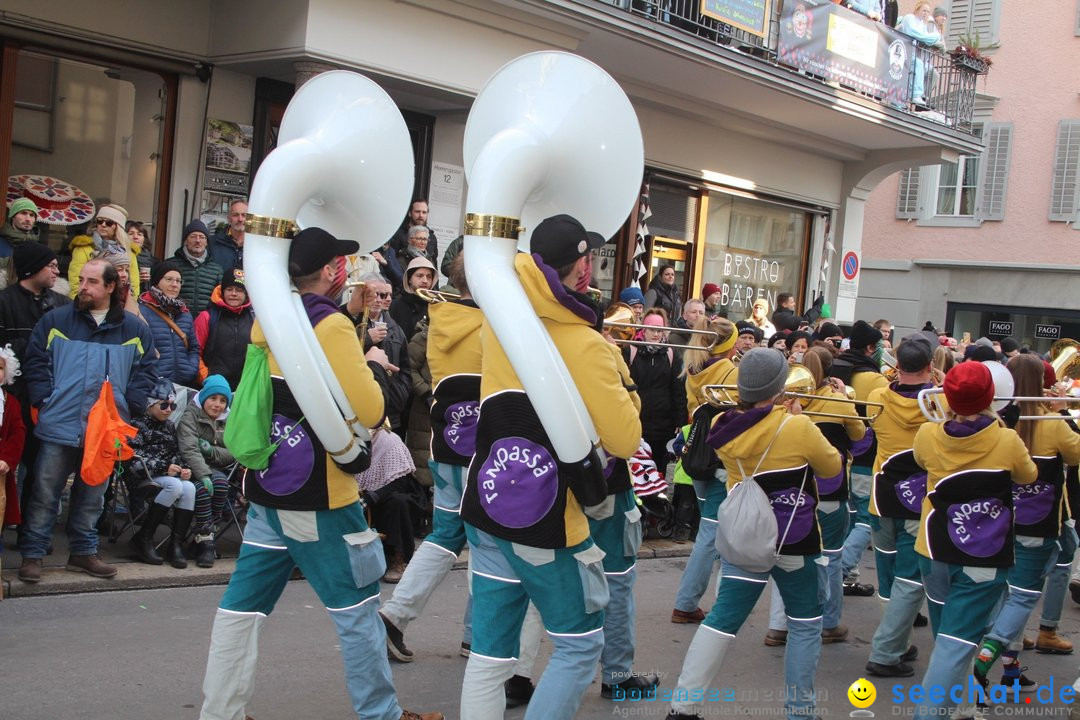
x: 142, y: 542
x: 181, y: 525
x: 205, y: 551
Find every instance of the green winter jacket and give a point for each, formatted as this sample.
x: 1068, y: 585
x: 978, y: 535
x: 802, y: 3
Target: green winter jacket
x: 199, y: 281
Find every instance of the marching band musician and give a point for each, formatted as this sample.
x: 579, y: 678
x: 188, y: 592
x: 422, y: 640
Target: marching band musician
x: 965, y: 539
x: 528, y: 535
x: 762, y: 437
x: 705, y: 366
x: 832, y: 496
x: 895, y: 504
x: 1038, y: 522
x: 311, y: 520
x: 454, y: 356
x: 615, y: 527
x: 858, y: 368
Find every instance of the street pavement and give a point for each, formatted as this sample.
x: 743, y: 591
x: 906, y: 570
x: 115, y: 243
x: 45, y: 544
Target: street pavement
x: 141, y: 654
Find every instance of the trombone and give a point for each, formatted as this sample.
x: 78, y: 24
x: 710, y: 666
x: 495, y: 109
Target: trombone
x: 799, y: 384
x: 935, y: 413
x: 436, y: 296
x: 619, y: 322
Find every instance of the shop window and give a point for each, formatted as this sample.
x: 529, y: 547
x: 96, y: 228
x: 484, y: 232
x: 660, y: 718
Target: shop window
x: 96, y: 128
x: 753, y: 249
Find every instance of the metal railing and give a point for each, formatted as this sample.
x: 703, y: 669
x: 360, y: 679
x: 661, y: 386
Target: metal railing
x: 949, y: 83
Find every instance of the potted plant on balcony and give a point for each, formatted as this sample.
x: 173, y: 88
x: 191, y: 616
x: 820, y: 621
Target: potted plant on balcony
x: 968, y: 54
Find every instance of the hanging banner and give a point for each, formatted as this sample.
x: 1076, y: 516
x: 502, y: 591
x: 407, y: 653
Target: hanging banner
x: 749, y: 15
x: 829, y: 41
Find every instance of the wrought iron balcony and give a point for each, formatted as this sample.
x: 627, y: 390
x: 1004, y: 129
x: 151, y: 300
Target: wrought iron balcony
x: 948, y: 83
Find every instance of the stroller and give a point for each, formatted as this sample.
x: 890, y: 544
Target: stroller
x: 657, y: 512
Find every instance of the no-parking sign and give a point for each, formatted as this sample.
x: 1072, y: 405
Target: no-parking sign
x: 850, y: 265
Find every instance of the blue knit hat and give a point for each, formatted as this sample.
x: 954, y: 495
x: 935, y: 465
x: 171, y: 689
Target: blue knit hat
x: 632, y: 296
x: 215, y: 385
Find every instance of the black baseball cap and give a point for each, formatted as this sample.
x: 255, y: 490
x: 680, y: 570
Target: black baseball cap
x: 560, y: 240
x: 314, y: 247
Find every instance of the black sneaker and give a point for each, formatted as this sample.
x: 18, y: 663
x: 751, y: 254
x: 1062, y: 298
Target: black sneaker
x: 1013, y: 672
x: 395, y: 642
x: 857, y: 589
x: 911, y: 655
x: 637, y: 685
x: 519, y: 690
x: 900, y: 669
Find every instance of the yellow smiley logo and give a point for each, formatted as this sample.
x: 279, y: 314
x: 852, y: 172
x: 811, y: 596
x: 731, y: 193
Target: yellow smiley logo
x: 862, y: 693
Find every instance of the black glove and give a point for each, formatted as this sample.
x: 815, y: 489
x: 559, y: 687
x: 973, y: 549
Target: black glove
x: 819, y: 302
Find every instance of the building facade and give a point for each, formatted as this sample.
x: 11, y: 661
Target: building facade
x: 987, y: 244
x: 757, y: 169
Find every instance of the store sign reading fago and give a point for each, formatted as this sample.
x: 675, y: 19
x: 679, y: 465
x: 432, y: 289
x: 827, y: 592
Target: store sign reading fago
x: 1047, y: 332
x: 1000, y: 327
x: 748, y: 277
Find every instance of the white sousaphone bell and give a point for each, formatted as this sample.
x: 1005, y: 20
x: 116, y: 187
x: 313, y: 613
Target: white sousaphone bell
x: 344, y: 163
x: 549, y: 133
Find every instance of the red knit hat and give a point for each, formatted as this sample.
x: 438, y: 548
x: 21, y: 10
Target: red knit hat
x: 709, y: 289
x: 1049, y: 375
x: 969, y: 388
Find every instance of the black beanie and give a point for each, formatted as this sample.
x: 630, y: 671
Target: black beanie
x: 863, y: 335
x: 30, y: 257
x: 160, y: 269
x: 233, y: 278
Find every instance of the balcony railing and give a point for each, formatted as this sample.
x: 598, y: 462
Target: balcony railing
x: 948, y: 84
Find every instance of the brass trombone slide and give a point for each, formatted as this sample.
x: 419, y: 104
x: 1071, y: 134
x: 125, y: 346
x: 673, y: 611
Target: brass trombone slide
x: 618, y: 322
x: 935, y: 414
x: 436, y: 296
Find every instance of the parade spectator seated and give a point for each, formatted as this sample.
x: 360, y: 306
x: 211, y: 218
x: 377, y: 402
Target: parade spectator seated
x: 197, y: 268
x: 157, y: 449
x: 396, y: 501
x: 171, y: 324
x: 109, y: 238
x: 201, y: 436
x: 920, y: 26
x: 223, y: 329
x: 144, y: 255
x: 408, y: 309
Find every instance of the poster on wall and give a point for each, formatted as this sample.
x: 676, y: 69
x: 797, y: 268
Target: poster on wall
x: 749, y: 15
x: 228, y: 162
x: 444, y: 202
x: 826, y: 40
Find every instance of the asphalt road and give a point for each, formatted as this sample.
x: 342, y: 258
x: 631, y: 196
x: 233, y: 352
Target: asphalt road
x: 141, y: 654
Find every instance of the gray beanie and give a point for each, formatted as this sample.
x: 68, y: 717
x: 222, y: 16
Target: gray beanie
x: 762, y: 375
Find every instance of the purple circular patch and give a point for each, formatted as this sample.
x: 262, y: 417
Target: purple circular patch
x: 859, y: 447
x: 829, y: 485
x: 291, y: 464
x: 517, y: 482
x: 783, y: 504
x: 910, y: 492
x: 1032, y: 503
x: 980, y: 527
x: 460, y: 430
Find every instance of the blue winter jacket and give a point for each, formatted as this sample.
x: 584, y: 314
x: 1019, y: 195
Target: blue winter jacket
x: 68, y: 359
x: 176, y: 361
